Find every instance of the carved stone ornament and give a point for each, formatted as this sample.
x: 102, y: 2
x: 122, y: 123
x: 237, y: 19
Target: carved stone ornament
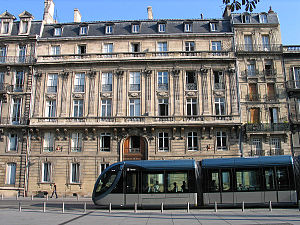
x: 78, y: 95
x: 134, y: 94
x: 163, y: 94
x: 106, y: 94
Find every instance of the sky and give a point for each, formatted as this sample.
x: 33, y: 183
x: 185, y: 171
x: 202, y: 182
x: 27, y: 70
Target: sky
x: 103, y: 10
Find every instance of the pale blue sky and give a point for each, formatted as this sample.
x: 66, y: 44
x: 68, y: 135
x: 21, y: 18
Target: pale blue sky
x: 99, y: 10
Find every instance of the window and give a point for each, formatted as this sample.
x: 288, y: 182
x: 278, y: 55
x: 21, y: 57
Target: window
x: 108, y: 29
x: 22, y: 53
x: 78, y: 108
x: 273, y: 115
x: 52, y: 83
x: 213, y: 27
x: 134, y: 81
x: 2, y: 54
x: 251, y: 72
x: 163, y: 81
x: 177, y: 182
x: 220, y: 106
x: 79, y: 82
x: 76, y: 143
x: 134, y: 107
x: 263, y: 18
x: 162, y: 47
x: 46, y: 172
x: 55, y: 50
x: 266, y: 43
x: 161, y: 27
x: 163, y: 142
x: 106, y: 108
x: 105, y: 142
x: 108, y: 48
x: 57, y: 31
x: 48, y: 142
x: 135, y: 47
x: 83, y: 30
x: 50, y: 108
x: 189, y: 46
x: 11, y: 173
x: 248, y: 180
x: 191, y: 106
x: 256, y: 146
x: 163, y: 107
x: 16, y: 110
x: 81, y: 49
x: 135, y: 28
x: 5, y: 27
x: 275, y: 146
x: 221, y: 140
x: 246, y: 19
x: 191, y: 81
x: 103, y: 166
x: 75, y: 171
x: 153, y: 183
x: 192, y: 141
x: 216, y: 46
x: 248, y: 43
x: 187, y: 27
x: 24, y: 27
x: 219, y: 80
x: 13, y: 142
x: 19, y: 80
x: 106, y: 82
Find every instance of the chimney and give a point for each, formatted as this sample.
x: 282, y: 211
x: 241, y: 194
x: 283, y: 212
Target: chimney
x: 77, y: 16
x: 150, y: 14
x: 48, y: 17
x: 227, y: 12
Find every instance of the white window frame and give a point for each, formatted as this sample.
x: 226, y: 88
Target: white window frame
x: 221, y: 135
x: 75, y: 166
x: 192, y: 141
x: 106, y: 108
x: 134, y: 107
x: 165, y: 142
x: 48, y: 142
x: 102, y: 142
x: 161, y: 27
x: 15, y: 147
x: 11, y: 169
x: 48, y: 172
x: 76, y: 142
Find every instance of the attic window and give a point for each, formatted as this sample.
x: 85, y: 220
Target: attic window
x: 108, y: 29
x: 188, y: 27
x: 263, y: 18
x: 83, y: 30
x: 135, y: 28
x: 213, y: 26
x: 57, y: 31
x: 5, y: 28
x: 246, y: 18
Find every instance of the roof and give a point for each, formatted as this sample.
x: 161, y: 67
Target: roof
x: 147, y: 27
x: 247, y: 162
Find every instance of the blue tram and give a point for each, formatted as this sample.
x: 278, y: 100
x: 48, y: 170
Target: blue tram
x: 229, y: 181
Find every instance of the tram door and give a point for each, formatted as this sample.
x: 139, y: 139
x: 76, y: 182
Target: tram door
x: 132, y: 187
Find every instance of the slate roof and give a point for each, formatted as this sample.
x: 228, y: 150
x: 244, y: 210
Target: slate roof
x: 147, y: 27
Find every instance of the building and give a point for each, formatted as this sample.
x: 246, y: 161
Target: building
x: 102, y: 92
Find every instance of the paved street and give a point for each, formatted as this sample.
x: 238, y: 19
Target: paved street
x: 32, y: 213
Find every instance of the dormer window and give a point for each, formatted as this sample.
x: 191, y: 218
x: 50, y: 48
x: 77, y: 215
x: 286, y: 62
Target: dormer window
x: 5, y: 27
x: 108, y: 29
x: 246, y: 18
x: 24, y: 27
x: 161, y: 27
x: 83, y: 30
x: 213, y: 27
x: 263, y: 18
x: 135, y: 28
x: 188, y: 27
x: 57, y: 31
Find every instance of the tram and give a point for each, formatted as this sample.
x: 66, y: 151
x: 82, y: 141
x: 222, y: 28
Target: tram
x: 229, y: 181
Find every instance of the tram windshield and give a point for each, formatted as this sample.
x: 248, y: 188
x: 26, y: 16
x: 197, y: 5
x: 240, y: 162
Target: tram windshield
x: 107, y: 180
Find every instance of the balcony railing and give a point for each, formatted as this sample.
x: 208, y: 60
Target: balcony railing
x: 17, y: 59
x: 259, y: 48
x: 253, y: 97
x: 267, y: 127
x: 191, y: 86
x: 293, y: 84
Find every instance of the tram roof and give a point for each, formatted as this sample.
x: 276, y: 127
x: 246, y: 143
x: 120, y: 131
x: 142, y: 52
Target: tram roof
x: 247, y: 162
x: 185, y: 164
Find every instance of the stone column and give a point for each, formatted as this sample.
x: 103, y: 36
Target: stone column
x: 64, y: 87
x: 147, y: 74
x: 205, y: 100
x: 91, y: 102
x: 119, y: 74
x: 175, y: 73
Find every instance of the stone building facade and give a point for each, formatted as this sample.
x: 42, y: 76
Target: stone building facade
x: 102, y: 92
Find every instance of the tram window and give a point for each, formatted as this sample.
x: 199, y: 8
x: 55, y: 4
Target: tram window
x: 226, y: 181
x: 177, y: 182
x: 153, y: 182
x: 132, y: 183
x: 282, y: 178
x: 214, y: 183
x: 269, y: 179
x: 248, y: 180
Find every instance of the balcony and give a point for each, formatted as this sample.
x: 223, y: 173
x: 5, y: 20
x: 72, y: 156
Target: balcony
x: 252, y: 97
x: 258, y: 48
x: 136, y: 56
x: 267, y: 127
x: 11, y: 60
x: 293, y: 85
